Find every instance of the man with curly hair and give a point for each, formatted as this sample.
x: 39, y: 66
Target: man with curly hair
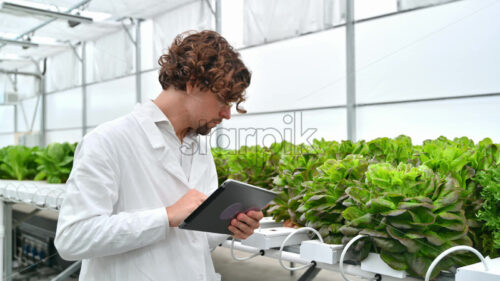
x: 136, y: 178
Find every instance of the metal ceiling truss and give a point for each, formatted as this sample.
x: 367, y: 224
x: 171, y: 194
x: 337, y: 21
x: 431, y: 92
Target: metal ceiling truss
x: 34, y: 29
x: 16, y: 8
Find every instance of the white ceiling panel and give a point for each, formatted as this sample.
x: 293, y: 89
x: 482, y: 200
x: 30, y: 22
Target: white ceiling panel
x: 123, y: 8
x: 59, y: 32
x: 10, y: 23
x: 39, y: 51
x: 83, y: 32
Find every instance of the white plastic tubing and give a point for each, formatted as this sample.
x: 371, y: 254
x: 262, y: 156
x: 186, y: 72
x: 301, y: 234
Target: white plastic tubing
x: 344, y: 251
x: 451, y: 250
x: 280, y: 257
x: 243, y: 258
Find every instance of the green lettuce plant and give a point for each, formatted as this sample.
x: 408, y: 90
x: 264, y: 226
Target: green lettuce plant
x: 255, y: 165
x: 18, y: 163
x: 490, y: 211
x: 322, y: 201
x: 295, y: 169
x: 55, y: 162
x: 395, y: 151
x: 411, y: 215
x: 220, y: 158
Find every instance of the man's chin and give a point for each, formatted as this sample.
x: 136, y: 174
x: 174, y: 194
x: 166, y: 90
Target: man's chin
x: 206, y: 128
x: 203, y: 130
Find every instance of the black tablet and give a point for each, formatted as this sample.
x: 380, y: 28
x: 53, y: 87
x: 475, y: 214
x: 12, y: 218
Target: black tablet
x: 231, y: 198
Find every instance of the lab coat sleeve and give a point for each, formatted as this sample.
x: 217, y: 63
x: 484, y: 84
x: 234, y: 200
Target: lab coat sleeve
x: 214, y: 239
x: 87, y: 226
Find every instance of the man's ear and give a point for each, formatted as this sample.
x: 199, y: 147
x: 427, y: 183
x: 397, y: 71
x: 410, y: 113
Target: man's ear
x: 189, y: 87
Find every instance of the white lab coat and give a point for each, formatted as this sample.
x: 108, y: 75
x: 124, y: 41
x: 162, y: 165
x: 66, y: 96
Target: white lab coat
x: 113, y: 217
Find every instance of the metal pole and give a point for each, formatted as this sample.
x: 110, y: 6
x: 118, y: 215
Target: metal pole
x: 218, y: 16
x: 84, y: 88
x: 44, y: 112
x: 218, y: 28
x: 310, y: 273
x: 20, y: 73
x: 7, y: 250
x: 15, y: 119
x: 351, y: 71
x: 138, y: 82
x: 32, y: 30
x: 2, y: 239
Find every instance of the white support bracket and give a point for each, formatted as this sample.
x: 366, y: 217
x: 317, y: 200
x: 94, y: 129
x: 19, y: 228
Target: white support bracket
x: 128, y: 32
x: 13, y: 80
x: 211, y: 7
x: 75, y: 52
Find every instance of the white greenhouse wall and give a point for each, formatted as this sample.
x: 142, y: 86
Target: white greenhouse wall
x: 63, y: 71
x: 476, y: 118
x: 444, y: 51
x: 193, y: 16
x: 64, y: 109
x: 448, y: 50
x: 296, y: 127
x: 27, y: 109
x: 150, y: 86
x: 110, y: 56
x: 7, y: 119
x: 28, y: 86
x: 304, y: 72
x: 63, y: 136
x: 7, y: 139
x: 109, y: 100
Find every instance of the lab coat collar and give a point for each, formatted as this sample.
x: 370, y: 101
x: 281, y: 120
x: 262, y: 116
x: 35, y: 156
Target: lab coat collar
x: 155, y: 112
x: 145, y: 114
x: 158, y: 116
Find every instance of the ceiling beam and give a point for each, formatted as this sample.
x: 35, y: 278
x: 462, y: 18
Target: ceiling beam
x: 16, y: 8
x: 32, y: 30
x: 18, y: 42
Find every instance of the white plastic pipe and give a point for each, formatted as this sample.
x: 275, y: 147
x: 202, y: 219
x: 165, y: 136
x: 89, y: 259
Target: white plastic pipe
x: 242, y: 258
x: 449, y: 251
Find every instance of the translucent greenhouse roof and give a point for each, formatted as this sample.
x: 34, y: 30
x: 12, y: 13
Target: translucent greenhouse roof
x: 55, y: 35
x: 107, y: 16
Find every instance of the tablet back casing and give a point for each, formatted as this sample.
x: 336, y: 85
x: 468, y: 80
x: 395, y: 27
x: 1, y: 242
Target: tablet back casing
x: 231, y: 198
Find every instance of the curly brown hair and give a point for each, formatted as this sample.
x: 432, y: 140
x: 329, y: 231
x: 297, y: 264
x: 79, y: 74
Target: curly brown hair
x: 206, y: 60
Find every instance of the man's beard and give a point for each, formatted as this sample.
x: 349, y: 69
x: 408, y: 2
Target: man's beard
x: 203, y: 129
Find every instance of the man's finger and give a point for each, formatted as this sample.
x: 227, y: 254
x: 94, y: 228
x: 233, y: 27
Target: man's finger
x: 248, y: 220
x: 244, y: 228
x: 257, y: 215
x: 237, y: 233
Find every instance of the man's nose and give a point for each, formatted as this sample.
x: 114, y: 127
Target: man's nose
x: 225, y: 113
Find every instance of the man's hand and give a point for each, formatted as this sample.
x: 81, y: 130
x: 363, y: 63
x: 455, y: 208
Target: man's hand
x: 184, y: 207
x: 244, y: 224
